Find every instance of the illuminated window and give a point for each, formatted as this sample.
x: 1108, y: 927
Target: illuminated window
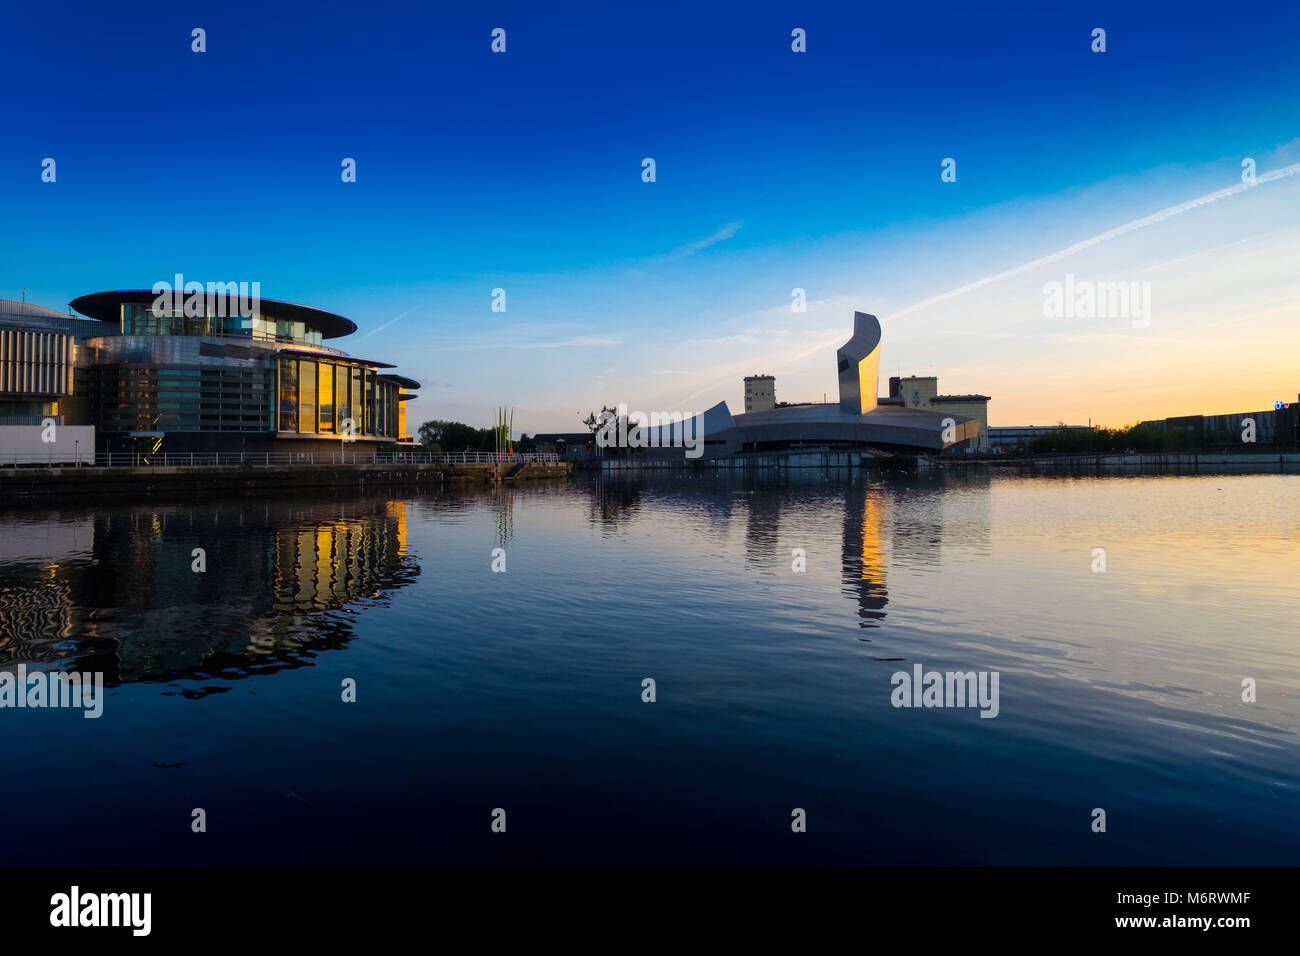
x: 354, y: 404
x: 341, y: 411
x: 326, y: 397
x: 288, y: 395
x: 306, y: 396
x: 370, y: 401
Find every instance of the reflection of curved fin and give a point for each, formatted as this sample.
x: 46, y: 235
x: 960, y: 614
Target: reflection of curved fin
x: 858, y: 365
x: 864, y: 556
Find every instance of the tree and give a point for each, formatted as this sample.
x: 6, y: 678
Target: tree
x: 596, y: 420
x: 609, y: 421
x: 450, y: 436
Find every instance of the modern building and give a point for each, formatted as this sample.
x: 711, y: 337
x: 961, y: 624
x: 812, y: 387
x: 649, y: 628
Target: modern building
x: 158, y: 374
x: 858, y: 419
x: 37, y: 355
x: 39, y: 417
x: 858, y: 366
x: 760, y: 393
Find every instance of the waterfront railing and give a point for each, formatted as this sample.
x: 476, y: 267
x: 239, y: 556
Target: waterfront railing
x: 274, y: 459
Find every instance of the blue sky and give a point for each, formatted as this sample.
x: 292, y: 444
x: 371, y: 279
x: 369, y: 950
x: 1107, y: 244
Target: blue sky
x: 775, y: 170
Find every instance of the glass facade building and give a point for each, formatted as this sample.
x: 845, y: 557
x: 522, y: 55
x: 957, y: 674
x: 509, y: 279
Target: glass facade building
x: 205, y: 379
x: 142, y: 319
x: 334, y: 397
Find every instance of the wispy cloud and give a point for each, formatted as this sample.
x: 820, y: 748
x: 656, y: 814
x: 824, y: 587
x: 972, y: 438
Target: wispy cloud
x: 1203, y: 252
x: 690, y: 248
x: 1141, y: 223
x: 574, y: 342
x: 1101, y: 237
x: 751, y: 336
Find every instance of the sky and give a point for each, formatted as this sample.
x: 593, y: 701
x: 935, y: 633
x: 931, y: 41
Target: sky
x: 775, y: 170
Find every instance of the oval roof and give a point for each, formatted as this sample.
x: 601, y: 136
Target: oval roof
x: 401, y: 380
x: 105, y: 306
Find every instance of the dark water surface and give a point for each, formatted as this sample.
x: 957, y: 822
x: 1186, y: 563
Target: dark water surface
x: 522, y: 690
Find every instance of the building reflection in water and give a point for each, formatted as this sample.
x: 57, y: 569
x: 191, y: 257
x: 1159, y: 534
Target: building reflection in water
x: 279, y: 583
x: 803, y: 502
x: 763, y: 530
x: 613, y: 503
x: 881, y: 521
x: 863, y: 555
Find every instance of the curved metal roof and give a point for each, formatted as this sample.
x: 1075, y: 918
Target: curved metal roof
x: 106, y: 307
x: 401, y: 380
x: 30, y: 310
x: 883, y: 425
x: 334, y: 356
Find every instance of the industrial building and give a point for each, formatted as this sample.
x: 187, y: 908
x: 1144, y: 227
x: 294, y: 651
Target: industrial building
x: 760, y: 393
x: 1278, y: 426
x: 922, y: 391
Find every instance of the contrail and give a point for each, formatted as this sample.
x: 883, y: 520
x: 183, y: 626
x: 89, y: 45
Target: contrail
x: 1142, y: 223
x: 387, y: 324
x: 1088, y: 243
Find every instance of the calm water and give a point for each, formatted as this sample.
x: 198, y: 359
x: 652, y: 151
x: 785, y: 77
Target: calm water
x: 522, y: 690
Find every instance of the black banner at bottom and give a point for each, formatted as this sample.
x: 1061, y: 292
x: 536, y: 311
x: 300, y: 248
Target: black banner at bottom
x: 238, y: 904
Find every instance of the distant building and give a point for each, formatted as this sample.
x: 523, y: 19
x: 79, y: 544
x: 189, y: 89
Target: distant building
x: 1008, y: 438
x: 760, y: 393
x: 922, y: 391
x: 1272, y: 426
x: 570, y: 446
x: 858, y: 420
x: 1278, y: 427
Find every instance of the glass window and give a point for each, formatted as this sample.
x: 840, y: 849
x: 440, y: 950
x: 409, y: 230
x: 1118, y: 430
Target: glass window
x: 142, y: 321
x: 288, y: 395
x: 370, y: 401
x: 342, y: 403
x: 387, y: 418
x: 354, y: 406
x: 326, y: 397
x: 306, y: 396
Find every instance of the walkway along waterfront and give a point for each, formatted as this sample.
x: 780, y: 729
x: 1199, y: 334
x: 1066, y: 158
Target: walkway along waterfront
x: 174, y: 474
x: 1286, y: 463
x: 841, y: 458
x: 820, y: 458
